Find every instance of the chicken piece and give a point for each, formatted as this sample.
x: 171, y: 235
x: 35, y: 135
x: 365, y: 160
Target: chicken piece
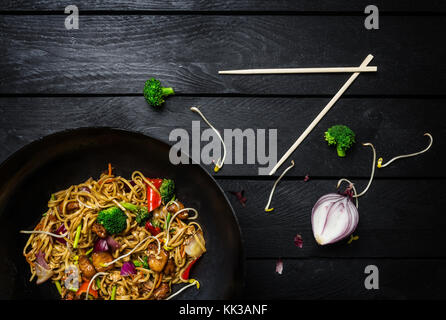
x: 162, y: 292
x: 170, y: 267
x: 145, y: 287
x: 156, y: 262
x: 173, y: 208
x: 101, y: 258
x: 99, y: 229
x: 86, y: 267
x: 69, y: 207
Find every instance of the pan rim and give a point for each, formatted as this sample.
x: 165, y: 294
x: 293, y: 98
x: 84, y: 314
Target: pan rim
x: 37, y: 144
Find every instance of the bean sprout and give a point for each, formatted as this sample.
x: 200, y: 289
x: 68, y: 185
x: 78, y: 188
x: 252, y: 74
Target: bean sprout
x: 47, y: 233
x: 380, y: 160
x: 131, y: 251
x: 267, y: 208
x: 91, y: 281
x: 220, y: 161
x: 356, y: 195
x: 193, y: 282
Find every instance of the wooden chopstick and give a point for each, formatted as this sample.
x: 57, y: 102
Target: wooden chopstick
x: 302, y: 70
x: 321, y: 115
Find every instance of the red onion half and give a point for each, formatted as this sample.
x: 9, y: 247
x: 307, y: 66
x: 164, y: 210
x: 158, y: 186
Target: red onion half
x: 334, y: 217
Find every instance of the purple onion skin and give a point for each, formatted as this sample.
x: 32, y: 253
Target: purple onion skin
x: 335, y: 204
x: 40, y: 259
x: 61, y: 230
x: 112, y: 243
x: 128, y: 268
x: 100, y: 246
x: 43, y: 271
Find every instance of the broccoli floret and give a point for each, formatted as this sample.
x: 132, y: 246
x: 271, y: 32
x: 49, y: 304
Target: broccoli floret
x: 142, y: 214
x: 142, y: 262
x: 113, y: 220
x: 341, y: 136
x: 167, y: 190
x: 154, y: 92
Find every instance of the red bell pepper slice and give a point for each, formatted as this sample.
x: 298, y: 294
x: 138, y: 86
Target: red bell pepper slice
x: 185, y: 274
x: 156, y: 182
x: 153, y: 199
x: 153, y: 230
x: 83, y: 289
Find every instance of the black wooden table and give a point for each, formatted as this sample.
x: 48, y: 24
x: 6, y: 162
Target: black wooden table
x: 54, y: 79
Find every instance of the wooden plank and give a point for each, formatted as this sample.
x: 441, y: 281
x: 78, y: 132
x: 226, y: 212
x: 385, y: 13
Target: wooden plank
x: 398, y: 218
x: 117, y: 53
x: 228, y: 5
x: 344, y: 279
x: 395, y: 126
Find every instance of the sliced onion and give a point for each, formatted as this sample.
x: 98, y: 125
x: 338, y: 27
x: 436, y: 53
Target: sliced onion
x: 40, y: 259
x: 193, y: 248
x: 128, y: 268
x: 112, y: 243
x: 61, y: 230
x: 43, y: 271
x: 100, y: 246
x: 333, y: 218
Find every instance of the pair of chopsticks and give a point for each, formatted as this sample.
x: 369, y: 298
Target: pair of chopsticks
x: 355, y: 70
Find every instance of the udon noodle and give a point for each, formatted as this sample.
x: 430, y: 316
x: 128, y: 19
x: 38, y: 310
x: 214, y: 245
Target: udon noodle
x: 73, y: 248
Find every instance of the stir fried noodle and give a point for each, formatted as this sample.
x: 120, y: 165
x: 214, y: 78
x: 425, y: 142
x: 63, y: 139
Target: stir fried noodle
x: 115, y: 238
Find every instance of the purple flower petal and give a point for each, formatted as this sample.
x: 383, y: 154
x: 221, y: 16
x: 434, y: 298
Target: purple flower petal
x: 298, y: 241
x: 279, y: 266
x: 240, y: 196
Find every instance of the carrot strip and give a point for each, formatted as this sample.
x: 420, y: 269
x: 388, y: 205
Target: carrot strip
x: 109, y: 169
x: 182, y: 251
x: 159, y: 280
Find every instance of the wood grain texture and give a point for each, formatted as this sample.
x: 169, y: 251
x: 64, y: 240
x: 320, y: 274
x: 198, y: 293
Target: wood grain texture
x: 344, y: 279
x: 397, y: 218
x: 117, y: 53
x: 227, y: 5
x: 395, y: 126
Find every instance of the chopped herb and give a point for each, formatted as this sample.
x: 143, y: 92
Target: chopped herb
x: 142, y: 262
x: 352, y: 238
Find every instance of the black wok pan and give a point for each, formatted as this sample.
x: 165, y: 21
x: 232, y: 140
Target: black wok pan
x: 30, y: 176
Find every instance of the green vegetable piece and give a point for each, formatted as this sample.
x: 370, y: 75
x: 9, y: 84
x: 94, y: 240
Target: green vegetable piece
x: 154, y: 93
x: 166, y: 225
x: 142, y: 214
x: 167, y: 190
x: 137, y: 263
x: 142, y: 262
x: 113, y: 220
x: 341, y: 136
x: 59, y: 288
x: 77, y: 236
x: 113, y: 294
